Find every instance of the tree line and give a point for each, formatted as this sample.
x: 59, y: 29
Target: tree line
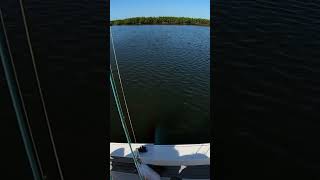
x: 162, y: 20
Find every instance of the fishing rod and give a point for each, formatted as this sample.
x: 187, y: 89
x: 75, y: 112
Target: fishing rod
x: 17, y: 102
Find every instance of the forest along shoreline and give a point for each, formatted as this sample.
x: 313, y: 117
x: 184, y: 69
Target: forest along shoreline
x: 164, y: 20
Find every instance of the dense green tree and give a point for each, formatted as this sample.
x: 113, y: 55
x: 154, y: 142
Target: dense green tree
x: 162, y: 20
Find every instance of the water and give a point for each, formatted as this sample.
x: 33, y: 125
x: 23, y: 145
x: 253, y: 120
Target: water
x: 265, y: 73
x: 267, y: 89
x: 71, y: 52
x: 166, y: 74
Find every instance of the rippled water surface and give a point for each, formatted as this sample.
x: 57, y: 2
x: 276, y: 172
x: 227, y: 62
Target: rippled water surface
x: 267, y: 88
x: 165, y: 71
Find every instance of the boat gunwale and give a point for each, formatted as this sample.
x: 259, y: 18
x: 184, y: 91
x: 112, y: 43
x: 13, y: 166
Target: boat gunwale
x: 166, y: 155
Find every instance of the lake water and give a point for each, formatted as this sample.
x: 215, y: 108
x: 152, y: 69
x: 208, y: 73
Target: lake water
x: 267, y: 79
x: 267, y: 89
x: 165, y: 71
x: 71, y: 52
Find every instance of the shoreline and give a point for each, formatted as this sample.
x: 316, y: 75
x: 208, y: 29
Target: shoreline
x: 162, y: 20
x: 205, y: 25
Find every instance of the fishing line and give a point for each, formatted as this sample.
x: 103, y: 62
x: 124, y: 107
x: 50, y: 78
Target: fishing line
x: 122, y: 119
x: 124, y: 97
x: 40, y: 89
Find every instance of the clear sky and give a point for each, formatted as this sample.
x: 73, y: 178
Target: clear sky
x: 120, y: 9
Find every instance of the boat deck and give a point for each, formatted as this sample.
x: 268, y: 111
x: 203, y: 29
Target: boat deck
x: 190, y: 161
x: 166, y: 155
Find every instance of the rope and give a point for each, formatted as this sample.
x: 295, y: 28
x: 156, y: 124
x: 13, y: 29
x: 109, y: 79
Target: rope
x: 20, y: 94
x: 12, y: 85
x: 40, y: 89
x: 124, y: 97
x: 122, y: 118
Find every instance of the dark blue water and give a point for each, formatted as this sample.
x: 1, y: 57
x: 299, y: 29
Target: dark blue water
x: 71, y: 52
x: 267, y: 89
x: 266, y: 100
x: 166, y: 74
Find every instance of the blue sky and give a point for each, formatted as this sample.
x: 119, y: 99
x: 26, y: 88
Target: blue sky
x: 120, y: 9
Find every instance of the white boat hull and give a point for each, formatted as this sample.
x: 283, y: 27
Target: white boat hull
x: 188, y: 161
